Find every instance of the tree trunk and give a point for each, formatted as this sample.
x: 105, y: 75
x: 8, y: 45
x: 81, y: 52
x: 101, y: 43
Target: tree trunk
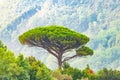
x: 60, y: 61
x: 59, y: 64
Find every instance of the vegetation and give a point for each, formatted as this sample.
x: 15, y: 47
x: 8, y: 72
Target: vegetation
x: 67, y: 69
x: 57, y: 40
x: 20, y: 68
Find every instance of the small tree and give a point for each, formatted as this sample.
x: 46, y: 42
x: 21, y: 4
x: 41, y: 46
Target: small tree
x: 57, y: 40
x: 75, y: 73
x: 38, y: 71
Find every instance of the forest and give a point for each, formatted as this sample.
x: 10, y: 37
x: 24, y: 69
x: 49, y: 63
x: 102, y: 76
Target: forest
x: 29, y: 68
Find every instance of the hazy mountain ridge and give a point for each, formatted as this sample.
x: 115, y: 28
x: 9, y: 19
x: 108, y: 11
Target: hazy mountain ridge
x: 97, y: 19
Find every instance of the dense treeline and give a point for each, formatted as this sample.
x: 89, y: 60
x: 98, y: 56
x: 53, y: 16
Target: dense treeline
x: 21, y: 68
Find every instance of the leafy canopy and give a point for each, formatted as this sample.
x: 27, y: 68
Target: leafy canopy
x: 84, y: 51
x: 57, y: 40
x: 55, y: 36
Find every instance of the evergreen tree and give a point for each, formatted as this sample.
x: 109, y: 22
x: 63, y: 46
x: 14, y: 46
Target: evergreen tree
x: 57, y: 40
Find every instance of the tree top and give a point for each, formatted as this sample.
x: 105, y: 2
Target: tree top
x: 55, y: 36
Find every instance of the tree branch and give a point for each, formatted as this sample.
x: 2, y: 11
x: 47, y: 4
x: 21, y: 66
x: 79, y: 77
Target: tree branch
x: 52, y: 53
x: 43, y: 45
x: 34, y: 43
x: 68, y: 58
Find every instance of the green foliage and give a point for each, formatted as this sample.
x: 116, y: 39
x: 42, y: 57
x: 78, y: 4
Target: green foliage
x: 83, y: 51
x: 16, y: 72
x: 66, y: 65
x: 84, y: 79
x: 3, y: 49
x: 13, y: 68
x: 38, y: 70
x: 6, y: 58
x: 57, y: 40
x: 56, y: 35
x: 2, y: 45
x: 106, y: 74
x: 58, y: 76
x: 88, y: 73
x: 20, y: 68
x: 74, y: 72
x: 20, y: 61
x: 66, y: 77
x: 43, y: 74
